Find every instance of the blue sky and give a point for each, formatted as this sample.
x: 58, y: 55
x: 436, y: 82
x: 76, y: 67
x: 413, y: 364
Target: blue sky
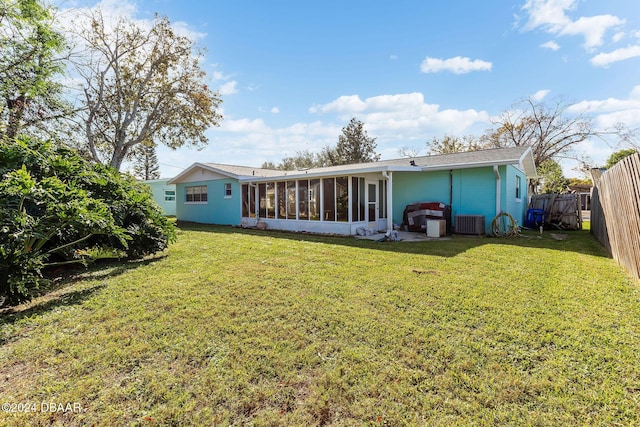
x: 292, y: 73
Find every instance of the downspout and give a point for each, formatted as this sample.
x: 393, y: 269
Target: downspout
x: 451, y: 188
x: 498, y: 190
x: 389, y: 177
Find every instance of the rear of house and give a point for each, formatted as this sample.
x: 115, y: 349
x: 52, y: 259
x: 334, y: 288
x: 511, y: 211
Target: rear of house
x: 164, y: 194
x: 343, y: 199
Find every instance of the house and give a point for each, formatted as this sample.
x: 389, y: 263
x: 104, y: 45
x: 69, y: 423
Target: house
x: 164, y: 194
x: 342, y: 199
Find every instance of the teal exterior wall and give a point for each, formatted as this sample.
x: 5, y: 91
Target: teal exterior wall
x: 474, y: 193
x: 218, y: 209
x: 158, y: 188
x: 414, y: 187
x: 468, y: 191
x: 517, y: 207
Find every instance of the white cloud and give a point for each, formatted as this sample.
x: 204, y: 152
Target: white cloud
x: 618, y: 36
x: 394, y: 120
x: 228, y: 88
x: 275, y: 110
x: 540, y: 95
x: 403, y: 115
x: 551, y: 45
x: 351, y: 103
x: 550, y: 15
x: 604, y: 59
x: 608, y: 112
x: 592, y: 28
x: 457, y: 65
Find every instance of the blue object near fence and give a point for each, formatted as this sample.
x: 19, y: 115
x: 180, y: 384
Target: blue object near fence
x: 535, y: 218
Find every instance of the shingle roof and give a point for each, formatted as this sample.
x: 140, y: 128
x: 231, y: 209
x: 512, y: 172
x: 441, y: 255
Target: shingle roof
x: 244, y: 170
x: 496, y: 156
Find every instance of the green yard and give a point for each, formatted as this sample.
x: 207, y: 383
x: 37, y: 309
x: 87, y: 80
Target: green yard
x: 264, y: 328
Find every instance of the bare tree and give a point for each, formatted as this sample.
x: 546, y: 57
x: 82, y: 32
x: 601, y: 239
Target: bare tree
x: 552, y: 131
x: 453, y: 144
x: 141, y: 84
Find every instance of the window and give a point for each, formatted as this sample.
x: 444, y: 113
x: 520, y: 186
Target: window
x: 245, y: 201
x: 314, y: 199
x: 248, y: 201
x: 196, y: 193
x: 271, y: 200
x: 518, y: 188
x: 227, y: 190
x: 262, y: 200
x: 382, y: 199
x: 169, y: 195
x: 282, y: 199
x: 291, y: 200
x: 329, y: 199
x: 303, y: 199
x: 342, y: 198
x: 357, y: 199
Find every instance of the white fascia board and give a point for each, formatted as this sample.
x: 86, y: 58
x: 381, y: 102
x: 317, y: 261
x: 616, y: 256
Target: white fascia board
x: 292, y: 175
x: 187, y: 171
x: 469, y: 165
x: 528, y: 165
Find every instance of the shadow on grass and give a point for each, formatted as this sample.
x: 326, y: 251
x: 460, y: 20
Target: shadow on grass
x: 61, y: 292
x: 580, y: 241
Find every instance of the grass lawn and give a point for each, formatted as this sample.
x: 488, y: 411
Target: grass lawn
x: 242, y: 327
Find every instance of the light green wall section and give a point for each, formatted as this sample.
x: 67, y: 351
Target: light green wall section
x: 468, y: 191
x: 516, y: 207
x: 474, y: 193
x: 158, y: 187
x: 217, y: 210
x: 414, y: 187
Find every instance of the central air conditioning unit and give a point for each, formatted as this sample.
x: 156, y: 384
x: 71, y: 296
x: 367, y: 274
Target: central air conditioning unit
x: 469, y: 224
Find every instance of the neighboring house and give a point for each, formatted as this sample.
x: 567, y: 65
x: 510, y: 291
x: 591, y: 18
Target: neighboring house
x: 341, y: 199
x: 164, y: 194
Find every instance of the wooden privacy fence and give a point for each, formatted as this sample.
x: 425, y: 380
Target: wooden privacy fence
x: 615, y: 212
x: 561, y: 211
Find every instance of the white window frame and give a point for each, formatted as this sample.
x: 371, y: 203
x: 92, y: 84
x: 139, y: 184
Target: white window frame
x: 202, y: 191
x: 169, y: 195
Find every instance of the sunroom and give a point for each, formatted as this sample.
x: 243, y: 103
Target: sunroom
x: 320, y: 204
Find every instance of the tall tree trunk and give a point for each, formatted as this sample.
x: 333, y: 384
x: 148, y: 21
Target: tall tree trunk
x: 16, y: 113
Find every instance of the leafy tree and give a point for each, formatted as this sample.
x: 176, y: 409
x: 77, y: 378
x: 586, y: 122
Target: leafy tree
x: 354, y: 146
x: 54, y: 204
x: 619, y: 155
x: 453, y: 144
x: 142, y: 85
x: 305, y: 159
x: 29, y: 95
x: 579, y: 182
x: 145, y: 164
x: 552, y: 178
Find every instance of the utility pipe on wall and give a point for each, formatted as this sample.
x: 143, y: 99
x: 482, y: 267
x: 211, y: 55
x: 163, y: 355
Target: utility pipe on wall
x: 389, y: 177
x: 498, y: 189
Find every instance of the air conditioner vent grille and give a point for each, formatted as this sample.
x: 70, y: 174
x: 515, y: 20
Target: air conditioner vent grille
x: 469, y: 224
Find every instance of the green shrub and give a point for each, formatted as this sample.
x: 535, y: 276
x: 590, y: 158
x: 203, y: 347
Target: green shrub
x: 54, y: 205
